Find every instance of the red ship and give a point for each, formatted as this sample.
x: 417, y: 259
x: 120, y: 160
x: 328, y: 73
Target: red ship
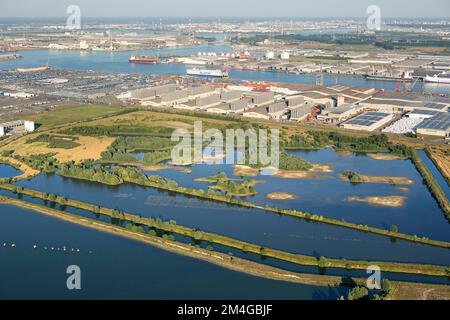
x: 144, y: 60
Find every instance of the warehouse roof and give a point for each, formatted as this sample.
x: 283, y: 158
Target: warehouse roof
x: 440, y: 121
x: 418, y: 104
x: 368, y: 118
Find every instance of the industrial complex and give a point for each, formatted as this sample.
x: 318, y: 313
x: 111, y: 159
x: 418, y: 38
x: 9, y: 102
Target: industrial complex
x: 353, y: 108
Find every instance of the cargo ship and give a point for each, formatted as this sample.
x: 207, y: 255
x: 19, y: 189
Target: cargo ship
x: 405, y: 77
x: 144, y: 60
x: 31, y: 70
x: 9, y: 56
x: 439, y: 78
x: 211, y: 73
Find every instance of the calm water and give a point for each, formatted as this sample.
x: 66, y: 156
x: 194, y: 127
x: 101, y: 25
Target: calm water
x: 118, y: 62
x: 420, y: 215
x: 7, y: 171
x: 117, y: 268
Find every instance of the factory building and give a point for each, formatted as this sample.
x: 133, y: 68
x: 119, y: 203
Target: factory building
x: 407, y: 102
x: 149, y: 93
x: 258, y: 113
x: 172, y: 98
x: 300, y: 112
x: 277, y: 110
x: 16, y: 127
x: 368, y: 121
x: 223, y: 108
x: 294, y: 101
x: 438, y: 125
x: 206, y: 102
x: 261, y: 98
x: 235, y: 107
x: 239, y: 106
x: 339, y: 114
x: 229, y: 96
x: 164, y: 89
x: 200, y: 91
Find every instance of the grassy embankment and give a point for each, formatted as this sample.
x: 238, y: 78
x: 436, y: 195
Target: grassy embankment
x: 172, y: 227
x: 431, y: 183
x: 441, y: 159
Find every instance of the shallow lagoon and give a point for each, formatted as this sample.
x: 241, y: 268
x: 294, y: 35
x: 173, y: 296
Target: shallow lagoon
x: 281, y: 232
x: 7, y: 171
x: 420, y: 215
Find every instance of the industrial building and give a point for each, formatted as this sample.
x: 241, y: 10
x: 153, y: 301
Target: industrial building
x: 407, y: 102
x: 16, y: 127
x: 175, y: 97
x: 239, y: 106
x: 294, y: 101
x: 258, y: 113
x: 300, y: 112
x: 229, y: 96
x: 277, y: 110
x: 260, y: 98
x: 339, y: 114
x: 149, y: 93
x: 368, y: 121
x: 200, y: 91
x: 207, y: 102
x: 438, y: 125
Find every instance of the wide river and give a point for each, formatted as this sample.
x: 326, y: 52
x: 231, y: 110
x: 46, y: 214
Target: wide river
x: 118, y: 62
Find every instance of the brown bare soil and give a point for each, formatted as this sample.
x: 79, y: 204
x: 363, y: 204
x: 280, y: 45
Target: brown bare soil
x: 90, y: 148
x: 381, y: 179
x: 245, y: 171
x: 389, y: 201
x: 159, y: 168
x: 281, y: 196
x: 383, y: 156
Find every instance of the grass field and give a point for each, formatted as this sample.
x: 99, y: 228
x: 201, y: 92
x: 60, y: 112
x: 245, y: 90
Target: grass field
x: 71, y: 114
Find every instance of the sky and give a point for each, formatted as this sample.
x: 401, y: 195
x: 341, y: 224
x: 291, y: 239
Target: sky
x: 226, y: 8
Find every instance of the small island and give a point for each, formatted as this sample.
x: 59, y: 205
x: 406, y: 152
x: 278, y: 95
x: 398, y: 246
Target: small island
x: 281, y: 196
x: 231, y: 187
x: 356, y: 178
x: 389, y: 201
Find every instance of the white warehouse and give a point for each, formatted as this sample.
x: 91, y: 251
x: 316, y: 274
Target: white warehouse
x: 16, y: 127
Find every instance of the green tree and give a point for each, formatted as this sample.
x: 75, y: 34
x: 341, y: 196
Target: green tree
x: 322, y: 262
x: 385, y: 286
x: 358, y: 293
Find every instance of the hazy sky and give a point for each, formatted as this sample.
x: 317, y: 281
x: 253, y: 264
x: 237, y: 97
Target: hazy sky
x: 225, y: 8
